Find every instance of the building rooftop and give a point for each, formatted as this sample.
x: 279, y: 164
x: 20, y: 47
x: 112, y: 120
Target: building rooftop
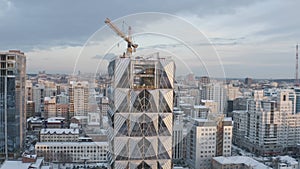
x: 288, y: 160
x: 240, y: 160
x: 200, y: 107
x: 71, y: 143
x: 59, y: 131
x: 15, y: 164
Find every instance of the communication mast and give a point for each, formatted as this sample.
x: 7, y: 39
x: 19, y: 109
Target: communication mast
x: 296, y: 79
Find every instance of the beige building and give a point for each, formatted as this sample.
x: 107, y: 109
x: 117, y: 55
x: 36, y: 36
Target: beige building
x: 212, y: 105
x: 50, y: 107
x: 233, y: 92
x: 78, y: 98
x: 208, y: 138
x: 75, y: 152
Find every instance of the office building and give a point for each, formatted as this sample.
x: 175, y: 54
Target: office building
x: 12, y: 103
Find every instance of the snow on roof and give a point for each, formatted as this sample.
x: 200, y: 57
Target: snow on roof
x: 15, y: 164
x: 74, y: 125
x: 199, y: 107
x: 80, y: 117
x: 71, y: 143
x: 55, y: 118
x: 227, y: 119
x: 38, y: 162
x: 288, y: 160
x: 45, y: 167
x: 59, y: 131
x: 240, y: 160
x: 207, y: 101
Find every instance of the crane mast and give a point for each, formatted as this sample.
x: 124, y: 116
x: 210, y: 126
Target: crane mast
x: 130, y: 46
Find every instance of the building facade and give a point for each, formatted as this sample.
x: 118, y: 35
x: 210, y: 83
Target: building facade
x: 208, y: 138
x: 75, y: 152
x: 78, y: 98
x: 140, y: 116
x: 12, y: 103
x: 268, y: 127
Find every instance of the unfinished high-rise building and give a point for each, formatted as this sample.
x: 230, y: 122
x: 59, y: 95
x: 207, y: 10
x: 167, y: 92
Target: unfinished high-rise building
x: 140, y: 114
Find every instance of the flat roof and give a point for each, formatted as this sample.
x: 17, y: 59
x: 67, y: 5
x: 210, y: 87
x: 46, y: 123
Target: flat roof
x: 59, y: 131
x: 15, y: 164
x: 240, y: 160
x: 104, y: 143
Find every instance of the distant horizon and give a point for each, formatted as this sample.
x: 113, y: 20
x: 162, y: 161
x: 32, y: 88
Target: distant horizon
x: 227, y: 78
x: 243, y: 37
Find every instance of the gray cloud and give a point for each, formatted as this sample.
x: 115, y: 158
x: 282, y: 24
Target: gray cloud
x: 40, y: 24
x: 236, y: 27
x: 108, y: 56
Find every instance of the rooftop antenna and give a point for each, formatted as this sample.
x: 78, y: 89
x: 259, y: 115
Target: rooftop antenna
x: 296, y: 79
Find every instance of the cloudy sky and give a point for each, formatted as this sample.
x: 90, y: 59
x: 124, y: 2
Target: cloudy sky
x: 251, y: 38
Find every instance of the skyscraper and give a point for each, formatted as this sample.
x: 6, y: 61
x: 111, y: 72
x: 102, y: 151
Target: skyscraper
x: 140, y: 116
x: 12, y: 103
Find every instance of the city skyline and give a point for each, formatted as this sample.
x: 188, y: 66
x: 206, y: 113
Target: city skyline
x: 253, y: 39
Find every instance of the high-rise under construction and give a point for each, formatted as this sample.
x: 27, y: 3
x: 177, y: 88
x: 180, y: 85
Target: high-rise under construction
x: 140, y: 116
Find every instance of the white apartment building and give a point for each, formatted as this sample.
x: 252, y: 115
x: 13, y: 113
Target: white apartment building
x: 208, y: 139
x: 59, y: 135
x: 75, y: 152
x: 268, y: 127
x: 216, y: 92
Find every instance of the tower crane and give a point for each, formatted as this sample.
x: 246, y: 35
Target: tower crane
x: 130, y: 46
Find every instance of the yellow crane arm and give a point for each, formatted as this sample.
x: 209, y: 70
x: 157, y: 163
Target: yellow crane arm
x: 117, y: 30
x: 130, y: 45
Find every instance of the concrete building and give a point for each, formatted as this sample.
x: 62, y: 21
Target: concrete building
x: 62, y: 110
x: 30, y: 109
x: 141, y: 113
x: 78, y: 98
x: 268, y: 127
x: 216, y: 92
x: 208, y: 138
x: 49, y: 107
x: 233, y: 92
x: 75, y: 152
x: 211, y: 105
x: 38, y: 98
x: 29, y: 93
x: 12, y: 103
x: 200, y: 111
x: 178, y: 136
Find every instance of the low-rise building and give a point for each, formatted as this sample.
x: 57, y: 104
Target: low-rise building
x: 59, y: 135
x: 236, y: 162
x: 75, y: 152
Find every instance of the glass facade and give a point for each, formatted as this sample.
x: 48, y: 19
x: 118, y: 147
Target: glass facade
x: 12, y: 103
